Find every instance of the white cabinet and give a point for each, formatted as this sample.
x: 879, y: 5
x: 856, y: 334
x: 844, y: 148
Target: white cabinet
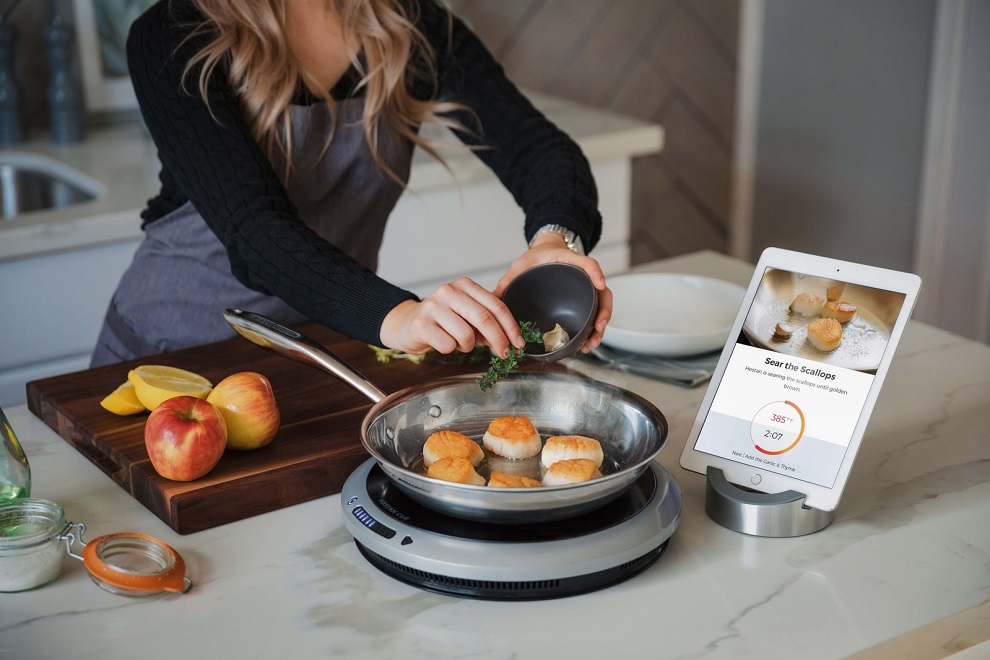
x: 53, y: 308
x: 477, y: 230
x: 57, y: 274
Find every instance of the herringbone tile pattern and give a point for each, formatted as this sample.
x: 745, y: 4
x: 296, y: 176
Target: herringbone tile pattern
x: 668, y: 61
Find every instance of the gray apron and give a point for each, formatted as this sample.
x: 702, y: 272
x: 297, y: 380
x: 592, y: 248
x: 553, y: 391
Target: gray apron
x: 174, y: 292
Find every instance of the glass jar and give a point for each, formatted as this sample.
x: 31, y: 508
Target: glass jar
x: 15, y: 472
x: 34, y: 536
x: 30, y: 543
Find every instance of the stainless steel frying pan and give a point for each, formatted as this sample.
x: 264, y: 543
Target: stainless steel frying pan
x: 631, y: 430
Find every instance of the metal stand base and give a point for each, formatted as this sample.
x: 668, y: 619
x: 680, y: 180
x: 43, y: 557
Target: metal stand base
x: 761, y: 514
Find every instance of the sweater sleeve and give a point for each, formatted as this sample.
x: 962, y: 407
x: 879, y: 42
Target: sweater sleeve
x: 543, y: 168
x: 208, y: 153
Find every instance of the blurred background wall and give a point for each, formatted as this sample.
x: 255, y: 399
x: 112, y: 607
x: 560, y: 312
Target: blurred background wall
x: 672, y: 62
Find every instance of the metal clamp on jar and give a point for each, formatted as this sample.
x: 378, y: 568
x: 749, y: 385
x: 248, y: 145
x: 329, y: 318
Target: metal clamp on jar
x: 32, y: 535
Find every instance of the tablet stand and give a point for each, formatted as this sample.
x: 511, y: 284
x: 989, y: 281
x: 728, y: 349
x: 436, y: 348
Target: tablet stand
x: 761, y: 514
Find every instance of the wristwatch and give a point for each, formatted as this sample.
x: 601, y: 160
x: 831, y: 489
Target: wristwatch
x: 572, y: 240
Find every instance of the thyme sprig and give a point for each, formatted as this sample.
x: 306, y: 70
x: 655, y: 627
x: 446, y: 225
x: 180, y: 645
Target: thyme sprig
x: 499, y: 367
x: 386, y: 355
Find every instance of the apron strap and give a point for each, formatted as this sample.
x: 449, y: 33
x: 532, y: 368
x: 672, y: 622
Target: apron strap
x: 130, y: 339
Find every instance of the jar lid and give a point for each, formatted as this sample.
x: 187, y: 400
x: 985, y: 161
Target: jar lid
x: 132, y: 564
x: 28, y: 522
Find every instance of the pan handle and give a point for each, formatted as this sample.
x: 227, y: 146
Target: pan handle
x: 277, y: 338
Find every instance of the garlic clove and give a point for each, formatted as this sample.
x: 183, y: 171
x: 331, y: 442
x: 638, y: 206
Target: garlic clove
x: 555, y: 339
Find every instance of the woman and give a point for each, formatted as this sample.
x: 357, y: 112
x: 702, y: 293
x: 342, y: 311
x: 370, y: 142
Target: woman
x: 285, y: 130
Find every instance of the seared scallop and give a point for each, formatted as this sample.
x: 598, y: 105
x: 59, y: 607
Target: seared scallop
x: 825, y: 334
x: 453, y: 444
x: 807, y: 304
x: 512, y: 437
x: 563, y: 447
x: 841, y: 310
x: 458, y: 470
x: 571, y: 471
x: 507, y: 480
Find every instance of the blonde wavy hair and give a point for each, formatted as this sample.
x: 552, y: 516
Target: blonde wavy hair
x: 249, y: 39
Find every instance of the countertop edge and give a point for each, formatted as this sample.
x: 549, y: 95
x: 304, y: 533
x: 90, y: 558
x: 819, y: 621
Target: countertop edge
x: 124, y: 159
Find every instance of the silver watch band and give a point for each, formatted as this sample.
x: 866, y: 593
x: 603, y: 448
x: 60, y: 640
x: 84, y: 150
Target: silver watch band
x: 572, y: 240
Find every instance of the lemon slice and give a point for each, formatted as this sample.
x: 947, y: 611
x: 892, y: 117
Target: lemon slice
x: 123, y: 400
x: 154, y: 383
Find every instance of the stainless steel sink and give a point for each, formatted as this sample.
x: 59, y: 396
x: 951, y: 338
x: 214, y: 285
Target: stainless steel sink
x: 34, y: 182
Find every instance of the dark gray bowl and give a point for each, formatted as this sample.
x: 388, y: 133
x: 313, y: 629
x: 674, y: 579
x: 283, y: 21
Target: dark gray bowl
x: 554, y: 293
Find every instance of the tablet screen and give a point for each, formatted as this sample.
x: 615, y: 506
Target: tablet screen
x: 799, y: 375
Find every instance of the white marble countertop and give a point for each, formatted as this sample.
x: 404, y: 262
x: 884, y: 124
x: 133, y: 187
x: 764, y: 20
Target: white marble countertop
x: 901, y: 572
x: 124, y: 160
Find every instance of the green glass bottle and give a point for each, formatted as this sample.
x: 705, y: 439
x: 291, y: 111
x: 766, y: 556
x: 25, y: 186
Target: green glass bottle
x: 15, y: 472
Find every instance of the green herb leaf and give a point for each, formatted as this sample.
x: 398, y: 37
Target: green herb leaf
x: 530, y: 332
x: 499, y: 367
x: 385, y: 355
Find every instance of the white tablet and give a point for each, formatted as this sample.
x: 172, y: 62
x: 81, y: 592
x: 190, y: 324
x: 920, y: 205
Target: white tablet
x: 796, y: 382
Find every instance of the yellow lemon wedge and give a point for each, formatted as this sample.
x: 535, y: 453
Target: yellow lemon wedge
x: 154, y: 383
x: 123, y: 401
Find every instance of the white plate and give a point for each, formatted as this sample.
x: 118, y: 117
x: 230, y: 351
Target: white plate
x: 670, y: 314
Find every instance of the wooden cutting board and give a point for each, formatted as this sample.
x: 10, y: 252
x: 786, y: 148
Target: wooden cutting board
x: 318, y: 444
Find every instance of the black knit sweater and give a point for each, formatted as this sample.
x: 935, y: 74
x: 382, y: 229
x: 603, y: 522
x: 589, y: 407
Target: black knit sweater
x: 214, y: 162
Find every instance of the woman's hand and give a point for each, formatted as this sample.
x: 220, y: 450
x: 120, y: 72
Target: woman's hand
x: 455, y: 317
x: 551, y: 248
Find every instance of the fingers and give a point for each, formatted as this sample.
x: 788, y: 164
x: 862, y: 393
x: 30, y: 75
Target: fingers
x: 551, y: 253
x: 595, y: 272
x: 601, y: 321
x: 501, y: 285
x: 491, y: 317
x: 460, y: 313
x: 448, y: 332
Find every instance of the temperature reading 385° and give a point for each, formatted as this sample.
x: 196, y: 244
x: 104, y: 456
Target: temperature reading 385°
x: 777, y: 427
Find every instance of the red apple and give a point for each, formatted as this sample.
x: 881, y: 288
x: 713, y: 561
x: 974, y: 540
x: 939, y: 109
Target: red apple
x: 185, y: 437
x: 248, y: 405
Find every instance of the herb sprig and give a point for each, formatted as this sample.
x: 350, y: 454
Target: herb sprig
x: 386, y: 355
x: 499, y: 367
x: 479, y: 355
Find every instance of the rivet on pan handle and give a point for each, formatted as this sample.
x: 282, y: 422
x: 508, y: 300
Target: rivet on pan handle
x: 277, y: 338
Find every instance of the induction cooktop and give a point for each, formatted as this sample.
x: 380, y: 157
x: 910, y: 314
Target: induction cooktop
x: 491, y: 561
